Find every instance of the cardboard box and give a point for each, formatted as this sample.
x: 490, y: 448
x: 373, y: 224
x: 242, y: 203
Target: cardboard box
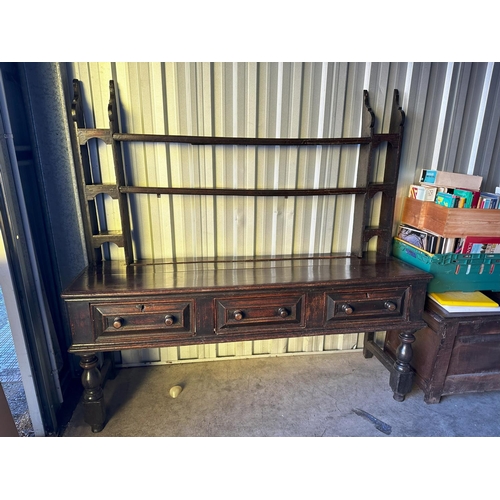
x: 451, y: 179
x: 450, y: 222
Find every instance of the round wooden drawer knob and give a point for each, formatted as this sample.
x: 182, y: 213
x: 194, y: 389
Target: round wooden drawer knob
x: 347, y: 309
x: 238, y: 315
x: 169, y: 320
x: 282, y: 311
x: 118, y: 322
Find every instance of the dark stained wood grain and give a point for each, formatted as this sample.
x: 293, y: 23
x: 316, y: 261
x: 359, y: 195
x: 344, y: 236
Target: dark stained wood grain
x: 454, y: 354
x: 132, y: 305
x: 113, y: 278
x: 272, y: 299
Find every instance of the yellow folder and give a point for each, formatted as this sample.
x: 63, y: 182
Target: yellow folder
x: 477, y: 299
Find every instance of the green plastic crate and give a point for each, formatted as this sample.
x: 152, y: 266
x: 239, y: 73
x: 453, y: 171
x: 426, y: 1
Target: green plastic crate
x: 453, y: 272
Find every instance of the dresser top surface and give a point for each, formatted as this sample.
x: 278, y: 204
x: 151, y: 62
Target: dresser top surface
x: 115, y: 278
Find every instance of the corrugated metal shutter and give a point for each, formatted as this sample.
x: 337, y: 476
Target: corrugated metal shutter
x: 452, y: 124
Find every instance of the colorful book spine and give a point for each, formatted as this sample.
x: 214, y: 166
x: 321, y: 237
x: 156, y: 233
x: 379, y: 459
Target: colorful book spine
x: 466, y: 196
x: 489, y: 200
x: 425, y: 240
x: 446, y: 200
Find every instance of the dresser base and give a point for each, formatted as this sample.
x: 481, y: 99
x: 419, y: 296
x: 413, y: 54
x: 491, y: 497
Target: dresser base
x: 115, y: 308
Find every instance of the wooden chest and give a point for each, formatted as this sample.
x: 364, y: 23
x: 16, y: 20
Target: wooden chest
x: 454, y: 354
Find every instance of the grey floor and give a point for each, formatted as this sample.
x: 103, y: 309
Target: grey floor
x: 300, y: 396
x: 10, y: 377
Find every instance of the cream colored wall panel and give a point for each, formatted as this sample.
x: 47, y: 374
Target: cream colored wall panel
x: 190, y: 352
x: 452, y: 124
x: 306, y: 344
x: 244, y: 349
x: 226, y: 350
x: 169, y: 354
x: 263, y: 346
x: 342, y: 342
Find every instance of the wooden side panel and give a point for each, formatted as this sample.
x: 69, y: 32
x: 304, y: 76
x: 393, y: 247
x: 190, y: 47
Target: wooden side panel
x: 451, y: 222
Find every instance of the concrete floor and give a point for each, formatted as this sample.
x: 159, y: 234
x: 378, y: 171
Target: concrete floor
x: 301, y: 396
x: 10, y: 377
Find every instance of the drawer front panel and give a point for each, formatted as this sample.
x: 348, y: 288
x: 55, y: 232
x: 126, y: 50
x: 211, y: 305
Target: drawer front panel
x: 170, y: 318
x: 259, y: 313
x: 383, y: 303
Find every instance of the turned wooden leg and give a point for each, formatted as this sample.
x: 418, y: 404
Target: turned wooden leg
x: 93, y: 400
x: 401, y: 379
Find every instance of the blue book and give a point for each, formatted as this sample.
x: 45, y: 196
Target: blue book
x: 489, y: 200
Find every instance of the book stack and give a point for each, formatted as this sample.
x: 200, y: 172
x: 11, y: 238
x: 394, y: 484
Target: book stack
x: 426, y: 240
x: 453, y: 190
x: 465, y: 302
x: 436, y: 244
x: 460, y: 247
x: 489, y: 200
x: 449, y: 190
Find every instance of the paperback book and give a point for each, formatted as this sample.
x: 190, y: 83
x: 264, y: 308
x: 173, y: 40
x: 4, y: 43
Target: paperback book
x: 477, y: 299
x: 465, y: 302
x: 426, y: 240
x: 448, y: 200
x: 423, y: 193
x: 489, y: 201
x: 481, y: 244
x: 413, y: 236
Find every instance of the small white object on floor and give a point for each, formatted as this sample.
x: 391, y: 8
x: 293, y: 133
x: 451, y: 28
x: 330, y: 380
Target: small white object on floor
x: 175, y: 391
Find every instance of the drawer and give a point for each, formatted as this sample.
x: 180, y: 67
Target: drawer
x: 171, y: 318
x: 271, y: 312
x: 381, y: 303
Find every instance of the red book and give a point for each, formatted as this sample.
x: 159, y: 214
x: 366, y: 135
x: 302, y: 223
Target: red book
x: 475, y: 199
x: 481, y: 244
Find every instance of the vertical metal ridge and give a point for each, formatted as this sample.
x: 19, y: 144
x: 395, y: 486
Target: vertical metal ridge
x: 442, y: 117
x: 480, y: 118
x: 452, y: 110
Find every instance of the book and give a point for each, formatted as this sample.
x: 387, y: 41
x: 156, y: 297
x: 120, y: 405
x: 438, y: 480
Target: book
x: 489, y: 200
x: 466, y: 299
x: 449, y: 245
x: 465, y: 195
x: 451, y: 179
x: 424, y: 193
x: 412, y: 235
x: 446, y: 200
x: 434, y: 243
x: 425, y: 240
x: 467, y: 309
x: 459, y: 246
x: 481, y: 244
